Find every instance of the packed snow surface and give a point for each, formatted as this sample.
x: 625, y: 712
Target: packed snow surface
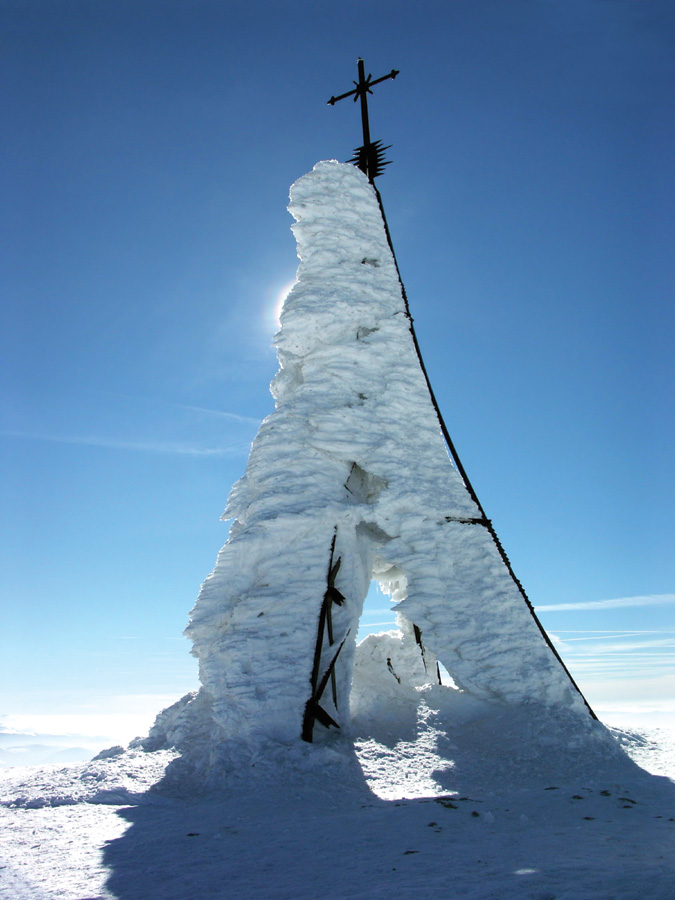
x: 433, y: 801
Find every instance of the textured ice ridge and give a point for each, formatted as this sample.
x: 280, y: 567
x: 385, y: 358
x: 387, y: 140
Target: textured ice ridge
x: 353, y: 452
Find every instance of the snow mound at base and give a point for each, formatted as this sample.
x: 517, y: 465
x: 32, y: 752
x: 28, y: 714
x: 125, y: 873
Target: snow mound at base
x: 409, y: 737
x: 445, y: 744
x: 416, y: 737
x: 653, y: 749
x: 275, y: 832
x: 119, y: 779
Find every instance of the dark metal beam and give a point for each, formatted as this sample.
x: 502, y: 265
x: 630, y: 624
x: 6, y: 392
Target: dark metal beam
x: 370, y: 157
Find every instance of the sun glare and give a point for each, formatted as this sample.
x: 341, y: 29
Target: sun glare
x: 279, y: 300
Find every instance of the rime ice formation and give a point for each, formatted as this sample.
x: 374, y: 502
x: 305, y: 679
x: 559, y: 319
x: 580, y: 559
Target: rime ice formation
x: 353, y: 454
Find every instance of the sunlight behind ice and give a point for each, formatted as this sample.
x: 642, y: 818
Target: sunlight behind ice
x: 278, y: 303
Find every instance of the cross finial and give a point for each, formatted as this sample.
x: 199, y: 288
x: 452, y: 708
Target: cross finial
x: 370, y: 157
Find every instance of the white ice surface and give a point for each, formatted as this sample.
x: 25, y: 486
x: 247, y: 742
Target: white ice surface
x: 353, y: 451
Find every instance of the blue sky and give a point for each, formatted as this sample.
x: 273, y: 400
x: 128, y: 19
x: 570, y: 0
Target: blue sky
x: 146, y: 166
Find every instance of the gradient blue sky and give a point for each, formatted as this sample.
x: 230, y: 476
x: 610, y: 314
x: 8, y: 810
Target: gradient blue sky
x: 148, y: 153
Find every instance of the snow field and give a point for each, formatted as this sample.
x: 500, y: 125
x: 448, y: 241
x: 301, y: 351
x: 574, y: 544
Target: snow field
x: 302, y: 822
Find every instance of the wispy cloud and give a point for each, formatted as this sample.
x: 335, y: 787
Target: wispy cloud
x: 618, y: 655
x: 616, y: 603
x: 143, y: 446
x: 646, y: 646
x: 149, y: 402
x: 606, y: 636
x: 219, y: 413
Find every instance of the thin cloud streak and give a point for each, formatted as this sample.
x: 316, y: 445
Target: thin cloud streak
x: 618, y: 672
x: 136, y: 400
x: 145, y: 447
x: 220, y: 414
x: 613, y: 631
x: 617, y: 644
x: 617, y: 603
x: 628, y: 647
x: 623, y: 663
x: 619, y: 655
x: 608, y: 637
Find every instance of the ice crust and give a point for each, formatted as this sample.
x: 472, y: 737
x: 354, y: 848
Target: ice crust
x: 353, y: 450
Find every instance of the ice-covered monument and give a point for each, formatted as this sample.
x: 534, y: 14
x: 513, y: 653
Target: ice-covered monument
x: 350, y: 480
x: 354, y: 478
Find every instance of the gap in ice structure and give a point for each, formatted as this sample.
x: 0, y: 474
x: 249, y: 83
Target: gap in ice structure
x: 353, y: 450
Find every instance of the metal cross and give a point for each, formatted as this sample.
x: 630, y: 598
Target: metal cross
x: 369, y: 157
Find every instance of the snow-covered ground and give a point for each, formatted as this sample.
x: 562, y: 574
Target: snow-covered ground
x: 441, y: 800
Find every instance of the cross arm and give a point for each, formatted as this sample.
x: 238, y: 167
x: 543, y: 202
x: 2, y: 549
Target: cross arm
x: 361, y: 86
x: 392, y: 74
x: 334, y: 100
